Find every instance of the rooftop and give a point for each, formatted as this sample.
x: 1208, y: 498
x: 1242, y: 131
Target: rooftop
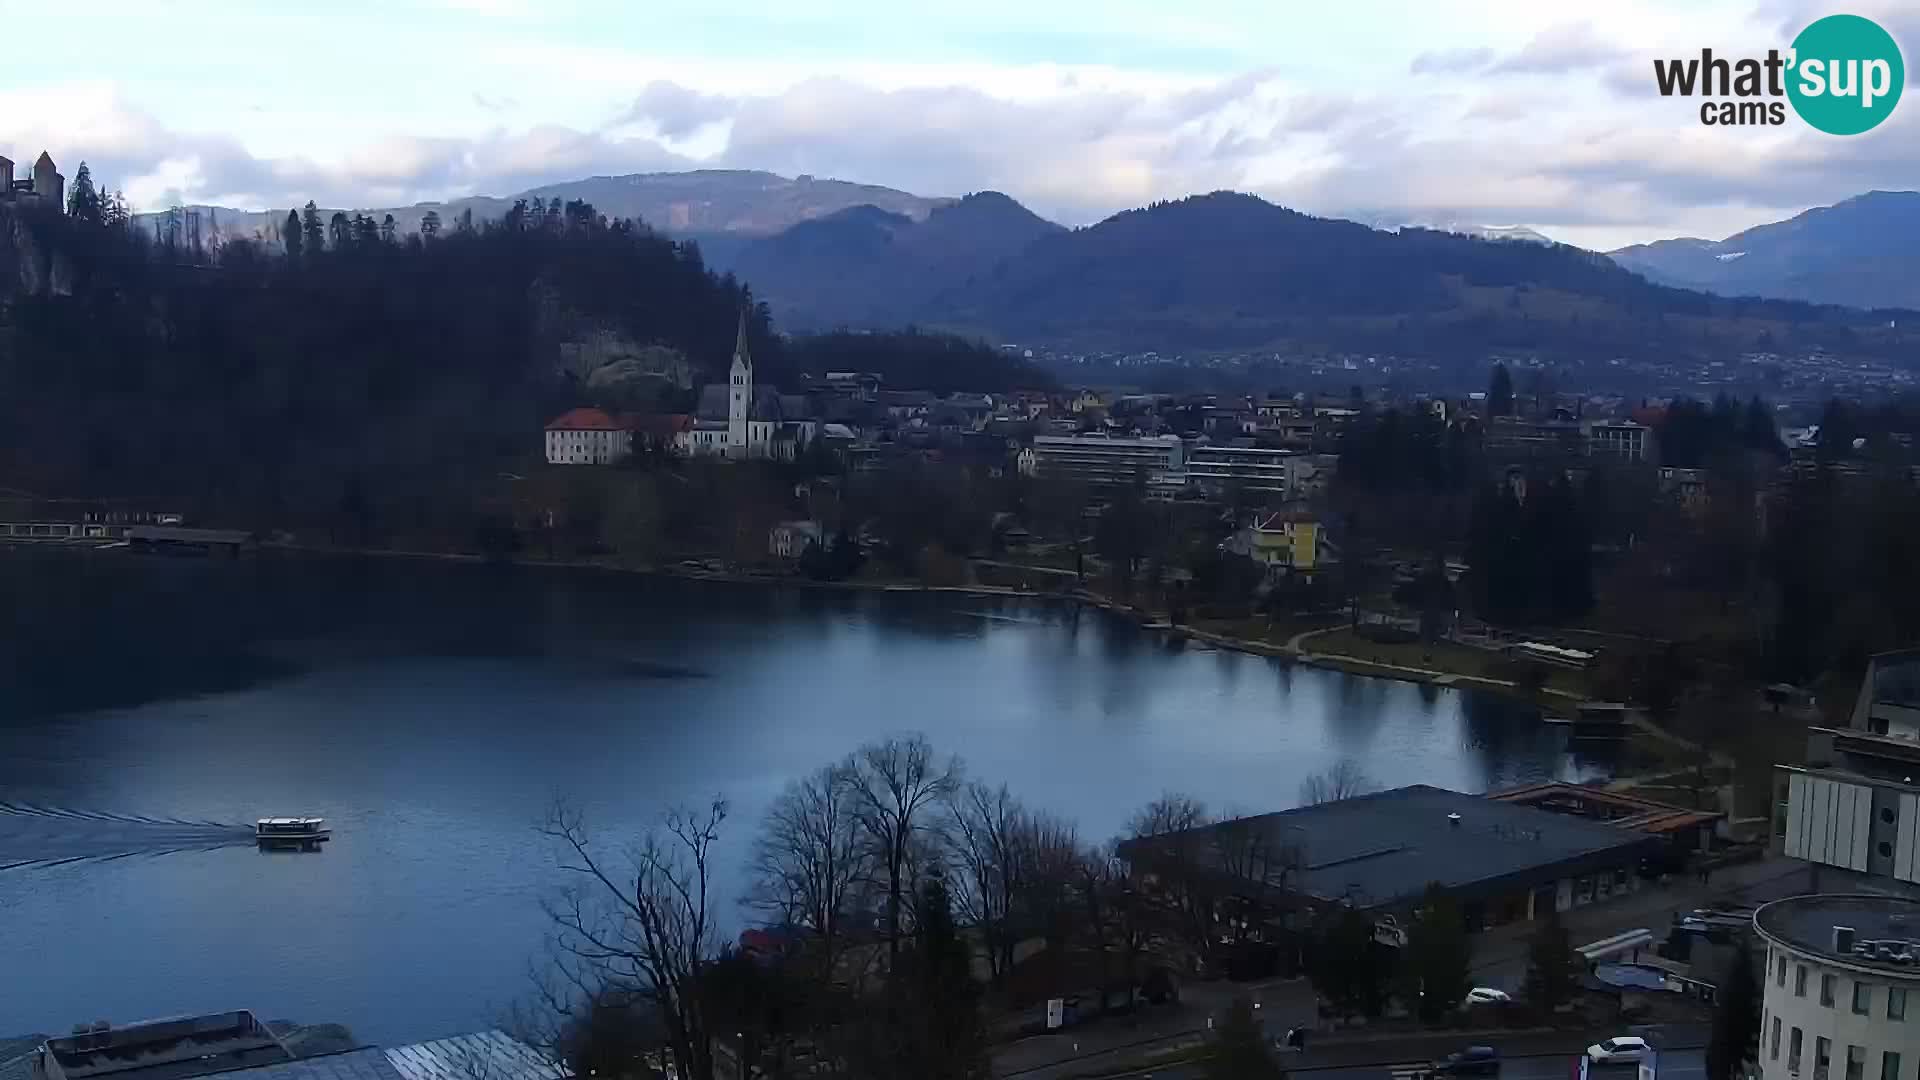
x: 366, y: 1063
x: 1884, y: 927
x: 584, y: 419
x: 485, y: 1055
x: 1387, y: 846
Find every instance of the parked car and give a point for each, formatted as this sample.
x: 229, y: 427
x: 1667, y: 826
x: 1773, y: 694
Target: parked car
x: 1487, y: 995
x: 1621, y: 1049
x: 1473, y: 1061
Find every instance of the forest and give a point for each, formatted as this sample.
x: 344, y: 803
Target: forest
x: 267, y: 383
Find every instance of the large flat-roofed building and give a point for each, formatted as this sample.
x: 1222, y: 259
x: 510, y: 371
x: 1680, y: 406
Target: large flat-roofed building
x: 1288, y: 474
x: 1104, y: 459
x: 167, y: 1049
x: 1505, y: 862
x: 1842, y: 988
x: 1855, y: 805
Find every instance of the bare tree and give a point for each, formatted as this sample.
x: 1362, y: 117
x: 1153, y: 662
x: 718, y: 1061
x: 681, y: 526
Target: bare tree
x: 809, y: 860
x: 1117, y: 915
x: 1258, y: 855
x: 898, y: 788
x: 989, y: 838
x: 1046, y: 895
x: 638, y: 935
x: 1341, y: 780
x: 1168, y: 849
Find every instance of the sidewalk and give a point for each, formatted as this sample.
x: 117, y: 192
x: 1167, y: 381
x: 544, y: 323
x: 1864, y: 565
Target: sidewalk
x: 1081, y: 1048
x: 1500, y: 954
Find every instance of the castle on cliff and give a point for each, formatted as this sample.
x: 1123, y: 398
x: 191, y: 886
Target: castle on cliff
x: 45, y: 184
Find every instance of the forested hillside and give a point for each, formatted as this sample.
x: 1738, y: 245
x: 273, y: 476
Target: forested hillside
x: 287, y: 384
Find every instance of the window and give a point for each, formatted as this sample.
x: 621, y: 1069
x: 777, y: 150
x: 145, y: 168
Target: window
x: 1862, y: 998
x: 1886, y: 815
x: 1793, y: 1052
x: 1856, y: 1062
x: 1822, y: 1056
x: 1896, y: 1003
x: 1886, y: 850
x: 1827, y: 985
x: 1773, y: 1043
x: 1800, y: 980
x: 1889, y: 1066
x: 1781, y: 979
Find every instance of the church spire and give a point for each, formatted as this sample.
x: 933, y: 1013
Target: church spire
x: 740, y: 342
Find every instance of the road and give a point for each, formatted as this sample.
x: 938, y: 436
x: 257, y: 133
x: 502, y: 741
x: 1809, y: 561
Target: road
x: 1673, y: 1065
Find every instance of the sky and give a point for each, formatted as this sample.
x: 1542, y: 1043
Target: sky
x: 1506, y: 112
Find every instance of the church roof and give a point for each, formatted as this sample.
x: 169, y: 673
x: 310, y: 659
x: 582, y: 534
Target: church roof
x: 713, y: 403
x: 740, y: 339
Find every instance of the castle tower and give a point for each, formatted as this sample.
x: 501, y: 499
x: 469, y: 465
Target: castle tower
x: 48, y: 184
x: 739, y: 394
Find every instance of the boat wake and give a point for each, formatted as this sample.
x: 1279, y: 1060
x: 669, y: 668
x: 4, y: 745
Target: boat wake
x: 32, y: 836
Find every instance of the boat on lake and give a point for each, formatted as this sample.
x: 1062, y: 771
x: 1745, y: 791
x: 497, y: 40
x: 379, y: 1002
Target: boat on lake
x: 305, y: 833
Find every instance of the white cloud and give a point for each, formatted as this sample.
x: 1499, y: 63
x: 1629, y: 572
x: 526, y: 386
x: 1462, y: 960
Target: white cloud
x: 1501, y: 111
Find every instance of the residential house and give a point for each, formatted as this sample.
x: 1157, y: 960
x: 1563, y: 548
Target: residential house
x: 790, y: 539
x: 1288, y: 541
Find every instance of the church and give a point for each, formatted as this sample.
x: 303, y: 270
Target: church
x: 741, y: 421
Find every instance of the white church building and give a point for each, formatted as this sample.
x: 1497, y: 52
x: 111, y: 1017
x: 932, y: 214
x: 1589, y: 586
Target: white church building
x: 741, y: 421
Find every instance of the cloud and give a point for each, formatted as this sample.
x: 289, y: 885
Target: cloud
x: 1451, y: 61
x: 1560, y: 49
x: 676, y: 111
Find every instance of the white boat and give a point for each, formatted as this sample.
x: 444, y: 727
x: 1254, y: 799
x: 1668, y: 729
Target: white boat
x: 301, y: 832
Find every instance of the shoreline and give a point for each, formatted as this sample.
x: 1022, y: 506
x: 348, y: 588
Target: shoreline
x: 1142, y: 618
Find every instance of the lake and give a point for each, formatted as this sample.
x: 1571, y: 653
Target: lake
x: 433, y: 711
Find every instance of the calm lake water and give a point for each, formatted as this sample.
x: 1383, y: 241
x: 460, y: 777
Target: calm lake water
x: 433, y: 711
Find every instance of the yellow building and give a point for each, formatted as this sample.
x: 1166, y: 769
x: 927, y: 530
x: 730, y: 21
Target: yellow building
x: 1290, y: 540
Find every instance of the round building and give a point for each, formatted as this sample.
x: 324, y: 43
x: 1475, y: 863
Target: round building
x: 1842, y: 988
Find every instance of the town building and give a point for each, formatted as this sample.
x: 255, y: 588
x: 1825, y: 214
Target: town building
x: 1288, y: 475
x: 1623, y: 440
x: 790, y: 539
x: 1108, y: 459
x: 587, y: 436
x: 44, y: 184
x: 1853, y: 810
x: 1842, y: 973
x: 1285, y: 542
x: 1504, y: 862
x: 1685, y: 830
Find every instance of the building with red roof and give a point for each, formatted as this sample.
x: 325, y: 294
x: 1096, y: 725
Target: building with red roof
x: 587, y: 436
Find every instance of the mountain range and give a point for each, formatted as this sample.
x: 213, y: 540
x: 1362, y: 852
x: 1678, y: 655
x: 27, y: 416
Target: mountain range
x: 1861, y: 252
x: 1233, y: 271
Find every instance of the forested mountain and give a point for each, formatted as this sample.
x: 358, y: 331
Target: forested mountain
x: 1232, y: 271
x: 866, y: 266
x: 708, y: 204
x: 1861, y: 253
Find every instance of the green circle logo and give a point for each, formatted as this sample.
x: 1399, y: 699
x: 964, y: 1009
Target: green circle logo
x: 1847, y: 75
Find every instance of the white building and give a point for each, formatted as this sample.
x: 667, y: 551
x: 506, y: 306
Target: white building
x: 742, y: 422
x: 587, y: 436
x: 1104, y: 459
x: 1842, y: 988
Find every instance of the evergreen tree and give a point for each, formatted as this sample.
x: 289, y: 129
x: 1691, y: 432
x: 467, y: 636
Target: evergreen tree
x: 1552, y: 965
x: 1500, y: 392
x: 339, y: 231
x: 83, y: 202
x: 290, y: 234
x: 386, y: 230
x: 945, y: 1038
x: 313, y: 234
x: 1238, y: 1051
x: 1347, y: 966
x: 1437, y: 954
x: 1736, y: 1020
x: 430, y: 224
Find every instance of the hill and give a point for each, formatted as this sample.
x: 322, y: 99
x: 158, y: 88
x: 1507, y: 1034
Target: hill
x: 1231, y: 271
x: 701, y: 203
x: 1860, y: 253
x: 868, y: 266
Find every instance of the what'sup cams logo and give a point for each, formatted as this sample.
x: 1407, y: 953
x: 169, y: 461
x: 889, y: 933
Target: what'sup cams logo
x: 1843, y: 75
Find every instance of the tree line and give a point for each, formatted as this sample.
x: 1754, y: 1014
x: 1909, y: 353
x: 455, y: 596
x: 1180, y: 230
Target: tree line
x: 901, y: 898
